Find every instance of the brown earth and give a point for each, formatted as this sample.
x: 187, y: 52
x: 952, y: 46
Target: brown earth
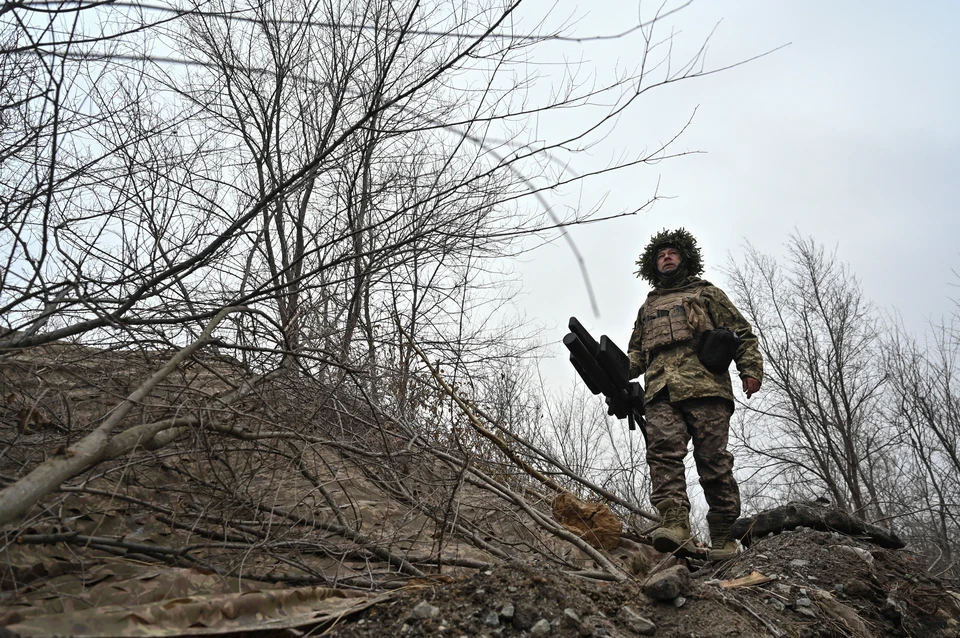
x: 818, y: 586
x: 302, y: 511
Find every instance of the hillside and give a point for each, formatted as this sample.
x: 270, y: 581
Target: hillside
x: 277, y: 505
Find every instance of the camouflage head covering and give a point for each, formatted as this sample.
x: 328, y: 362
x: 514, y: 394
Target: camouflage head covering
x: 680, y: 239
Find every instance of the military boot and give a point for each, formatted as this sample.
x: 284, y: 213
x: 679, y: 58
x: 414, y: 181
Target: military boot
x: 674, y: 531
x: 722, y: 545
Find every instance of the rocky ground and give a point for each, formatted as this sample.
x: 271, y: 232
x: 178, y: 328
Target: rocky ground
x: 260, y: 521
x: 808, y: 583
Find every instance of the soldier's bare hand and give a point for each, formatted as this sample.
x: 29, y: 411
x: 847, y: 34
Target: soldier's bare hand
x: 750, y: 385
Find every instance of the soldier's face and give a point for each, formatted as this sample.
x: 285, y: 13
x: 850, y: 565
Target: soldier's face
x: 668, y: 259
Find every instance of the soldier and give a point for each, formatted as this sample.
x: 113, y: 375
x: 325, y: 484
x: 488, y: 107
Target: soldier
x: 683, y: 398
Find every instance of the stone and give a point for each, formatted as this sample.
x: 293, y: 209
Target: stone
x: 857, y: 588
x: 507, y: 611
x: 540, y: 628
x: 847, y: 616
x: 799, y: 562
x: 570, y: 618
x: 803, y: 602
x: 524, y: 618
x: 595, y: 523
x: 424, y: 610
x: 593, y: 626
x: 806, y: 611
x: 491, y: 619
x: 668, y: 584
x: 635, y: 622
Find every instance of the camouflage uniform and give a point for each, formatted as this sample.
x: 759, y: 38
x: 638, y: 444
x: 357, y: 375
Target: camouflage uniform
x: 683, y: 399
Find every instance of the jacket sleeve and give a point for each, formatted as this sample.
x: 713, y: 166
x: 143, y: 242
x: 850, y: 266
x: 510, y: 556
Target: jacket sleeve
x: 725, y: 314
x: 635, y: 348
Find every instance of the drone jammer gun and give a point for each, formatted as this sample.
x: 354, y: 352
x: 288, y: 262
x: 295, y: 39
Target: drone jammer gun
x: 605, y: 370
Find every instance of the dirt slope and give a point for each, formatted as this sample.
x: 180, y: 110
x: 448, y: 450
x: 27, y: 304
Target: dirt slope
x: 819, y: 585
x: 301, y: 510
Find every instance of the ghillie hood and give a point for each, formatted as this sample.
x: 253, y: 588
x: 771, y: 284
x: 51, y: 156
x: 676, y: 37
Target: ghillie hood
x: 679, y: 239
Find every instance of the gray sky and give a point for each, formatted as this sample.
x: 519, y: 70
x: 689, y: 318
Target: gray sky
x: 850, y: 134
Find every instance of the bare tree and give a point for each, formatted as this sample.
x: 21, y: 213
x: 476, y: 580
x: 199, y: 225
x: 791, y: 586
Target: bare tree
x: 820, y: 430
x: 294, y: 209
x: 926, y: 407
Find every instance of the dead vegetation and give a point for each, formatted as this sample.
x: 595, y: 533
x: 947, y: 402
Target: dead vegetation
x: 291, y: 500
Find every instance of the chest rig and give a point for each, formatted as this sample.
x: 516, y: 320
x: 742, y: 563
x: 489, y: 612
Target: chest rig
x: 672, y: 318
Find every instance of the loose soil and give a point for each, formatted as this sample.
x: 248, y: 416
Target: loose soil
x: 884, y: 588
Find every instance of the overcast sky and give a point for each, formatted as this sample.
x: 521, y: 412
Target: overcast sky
x: 850, y: 134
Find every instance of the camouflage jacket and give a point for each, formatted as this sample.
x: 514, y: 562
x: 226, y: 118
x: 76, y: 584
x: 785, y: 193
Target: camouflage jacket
x: 676, y: 367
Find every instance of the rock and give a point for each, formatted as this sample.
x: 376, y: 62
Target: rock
x: 892, y: 608
x: 593, y: 522
x: 862, y: 554
x: 799, y: 562
x: 803, y: 602
x: 679, y: 601
x: 842, y: 613
x: 806, y: 611
x: 540, y: 628
x: 506, y: 612
x: 524, y: 618
x: 856, y: 588
x: 570, y: 618
x: 668, y: 584
x: 424, y: 610
x: 593, y: 626
x: 491, y: 619
x: 635, y: 622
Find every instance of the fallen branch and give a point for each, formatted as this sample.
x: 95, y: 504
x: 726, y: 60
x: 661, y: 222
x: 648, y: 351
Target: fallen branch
x: 479, y: 478
x: 18, y: 498
x: 566, y: 471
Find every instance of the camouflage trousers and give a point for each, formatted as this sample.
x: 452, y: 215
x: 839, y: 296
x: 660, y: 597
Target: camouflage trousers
x: 670, y: 426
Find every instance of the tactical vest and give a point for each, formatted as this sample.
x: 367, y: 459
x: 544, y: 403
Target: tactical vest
x: 672, y: 318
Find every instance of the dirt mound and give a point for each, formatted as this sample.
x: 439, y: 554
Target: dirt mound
x: 516, y: 599
x: 798, y: 583
x: 276, y: 504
